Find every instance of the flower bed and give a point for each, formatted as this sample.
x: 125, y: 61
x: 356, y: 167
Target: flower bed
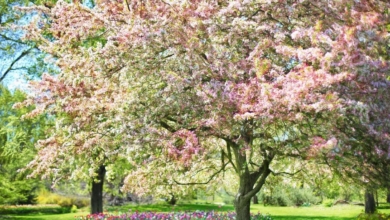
x: 171, y: 216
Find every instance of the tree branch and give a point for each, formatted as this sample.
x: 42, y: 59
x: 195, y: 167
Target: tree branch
x: 208, y: 181
x: 11, y: 39
x: 285, y: 173
x: 260, y: 182
x: 9, y: 69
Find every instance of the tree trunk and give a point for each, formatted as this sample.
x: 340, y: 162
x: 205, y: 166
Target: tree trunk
x: 250, y: 181
x: 172, y: 200
x: 250, y: 184
x: 97, y: 191
x: 388, y: 196
x: 377, y: 198
x: 369, y: 202
x: 242, y: 208
x: 255, y: 200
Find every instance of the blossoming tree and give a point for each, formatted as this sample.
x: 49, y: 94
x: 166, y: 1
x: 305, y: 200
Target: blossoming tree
x: 253, y: 82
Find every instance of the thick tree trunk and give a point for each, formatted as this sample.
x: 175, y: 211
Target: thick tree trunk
x: 250, y: 184
x: 242, y: 208
x: 255, y: 200
x: 97, y: 192
x: 369, y: 202
x: 251, y: 181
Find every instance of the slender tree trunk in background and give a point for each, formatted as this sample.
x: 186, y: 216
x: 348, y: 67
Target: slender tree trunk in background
x: 388, y: 195
x: 377, y: 198
x: 172, y: 200
x: 255, y: 200
x: 97, y: 191
x: 369, y: 202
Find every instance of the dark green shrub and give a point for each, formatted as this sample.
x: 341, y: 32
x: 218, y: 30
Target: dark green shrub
x: 303, y: 196
x: 52, y: 209
x: 278, y: 198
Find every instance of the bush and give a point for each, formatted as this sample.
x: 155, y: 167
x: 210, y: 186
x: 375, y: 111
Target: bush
x: 46, y: 197
x: 33, y: 209
x: 80, y: 202
x: 288, y: 196
x: 277, y: 200
x: 328, y: 202
x: 73, y: 209
x: 303, y: 196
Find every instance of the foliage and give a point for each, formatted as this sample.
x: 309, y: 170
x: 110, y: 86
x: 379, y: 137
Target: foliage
x: 29, y: 209
x: 190, y: 89
x: 21, y: 59
x: 328, y: 202
x: 284, y: 195
x: 172, y: 216
x: 46, y: 197
x: 17, y: 139
x: 73, y: 209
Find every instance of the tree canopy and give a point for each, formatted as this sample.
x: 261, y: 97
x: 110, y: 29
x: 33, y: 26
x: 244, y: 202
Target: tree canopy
x: 252, y: 83
x: 17, y: 139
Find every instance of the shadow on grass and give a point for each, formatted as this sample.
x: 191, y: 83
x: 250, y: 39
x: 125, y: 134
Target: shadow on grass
x: 384, y: 207
x: 10, y: 217
x: 292, y: 217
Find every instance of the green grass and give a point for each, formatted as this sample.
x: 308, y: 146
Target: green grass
x: 342, y: 212
x: 339, y: 212
x: 315, y: 212
x: 67, y: 216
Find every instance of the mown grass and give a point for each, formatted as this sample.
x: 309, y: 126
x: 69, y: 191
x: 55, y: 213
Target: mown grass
x: 342, y: 212
x: 339, y: 212
x: 67, y: 216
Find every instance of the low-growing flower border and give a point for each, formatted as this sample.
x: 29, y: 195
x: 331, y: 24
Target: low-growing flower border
x: 197, y: 215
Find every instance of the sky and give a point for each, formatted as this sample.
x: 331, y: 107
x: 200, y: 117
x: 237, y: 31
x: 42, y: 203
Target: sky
x: 15, y: 79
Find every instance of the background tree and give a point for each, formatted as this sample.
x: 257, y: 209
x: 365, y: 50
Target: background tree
x: 22, y: 60
x: 17, y: 139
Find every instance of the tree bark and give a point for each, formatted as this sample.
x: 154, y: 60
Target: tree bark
x: 369, y: 202
x: 250, y: 184
x: 377, y: 198
x: 97, y: 191
x: 250, y: 181
x: 388, y: 196
x: 242, y: 208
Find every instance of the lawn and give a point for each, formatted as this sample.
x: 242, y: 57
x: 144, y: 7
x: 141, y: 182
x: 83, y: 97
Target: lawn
x: 342, y: 212
x: 339, y: 212
x: 68, y: 216
x: 314, y: 212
